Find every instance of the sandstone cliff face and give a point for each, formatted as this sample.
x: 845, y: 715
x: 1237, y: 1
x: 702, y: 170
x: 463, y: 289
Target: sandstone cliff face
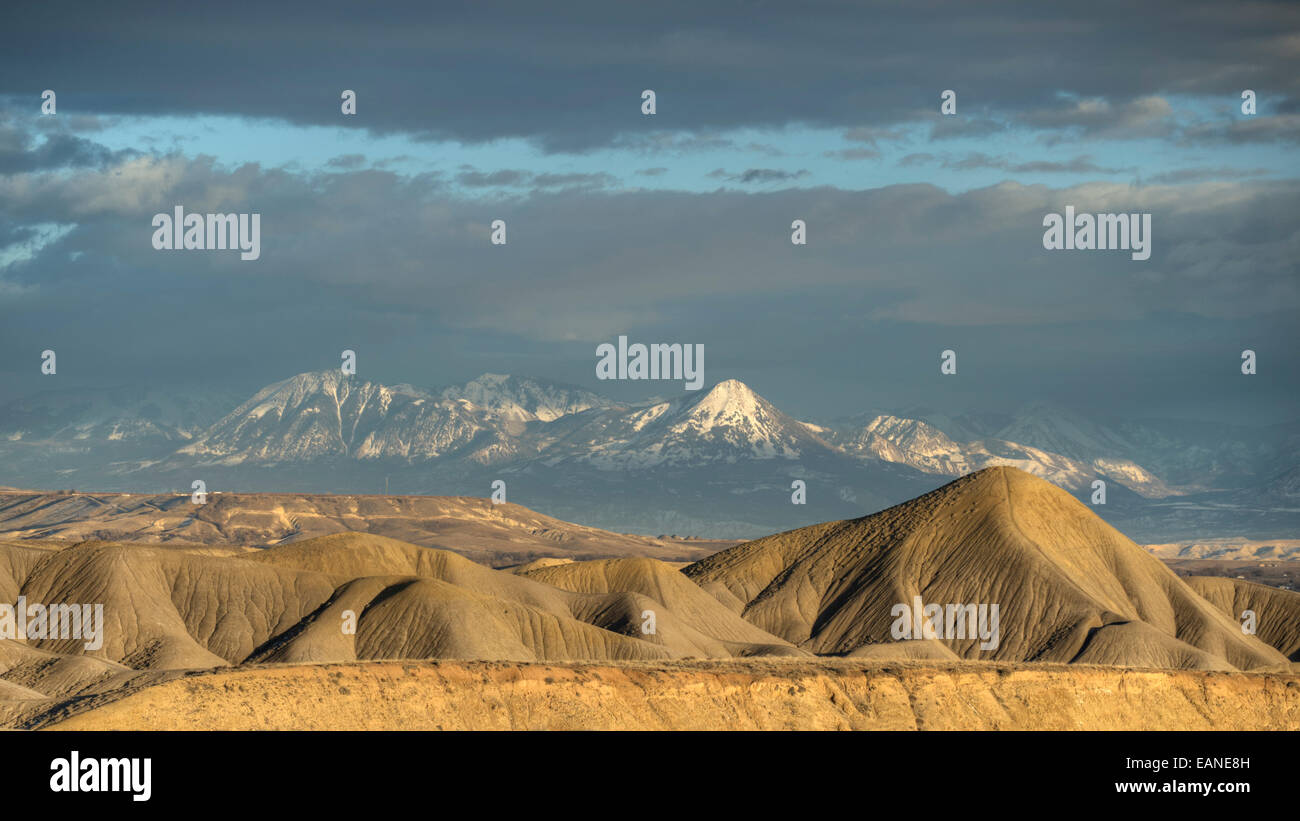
x: 719, y: 695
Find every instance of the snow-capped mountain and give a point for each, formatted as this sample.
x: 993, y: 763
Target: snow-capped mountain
x: 726, y: 424
x: 907, y: 441
x: 962, y: 427
x: 1157, y: 456
x: 716, y: 462
x: 925, y: 447
x: 1060, y: 430
x: 111, y: 415
x: 522, y: 399
x: 327, y: 415
x: 497, y: 418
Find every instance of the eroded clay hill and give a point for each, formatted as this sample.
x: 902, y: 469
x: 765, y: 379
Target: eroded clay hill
x: 173, y: 608
x: 1070, y: 588
x: 1277, y: 612
x: 688, y: 609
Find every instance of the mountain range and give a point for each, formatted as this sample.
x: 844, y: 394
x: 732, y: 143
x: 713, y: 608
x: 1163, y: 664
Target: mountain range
x: 717, y: 463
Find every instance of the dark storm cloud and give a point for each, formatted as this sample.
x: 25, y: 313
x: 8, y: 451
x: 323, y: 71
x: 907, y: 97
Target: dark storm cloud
x: 951, y: 128
x: 874, y: 136
x: 917, y: 159
x: 595, y: 259
x: 573, y: 181
x: 571, y: 75
x: 518, y: 178
x: 22, y: 150
x: 1082, y: 164
x: 1284, y: 128
x: 975, y: 160
x: 347, y: 161
x: 401, y: 270
x: 854, y: 154
x: 479, y: 179
x: 754, y: 176
x: 674, y: 142
x: 1181, y: 175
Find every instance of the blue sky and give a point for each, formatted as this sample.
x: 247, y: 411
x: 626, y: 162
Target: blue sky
x: 810, y: 156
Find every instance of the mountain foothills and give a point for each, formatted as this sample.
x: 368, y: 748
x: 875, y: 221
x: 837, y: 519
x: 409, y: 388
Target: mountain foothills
x: 812, y: 614
x: 716, y: 463
x: 491, y: 534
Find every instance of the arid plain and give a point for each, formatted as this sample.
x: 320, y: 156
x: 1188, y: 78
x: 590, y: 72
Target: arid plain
x: 335, y: 612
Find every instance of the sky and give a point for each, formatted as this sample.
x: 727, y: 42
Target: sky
x: 924, y: 229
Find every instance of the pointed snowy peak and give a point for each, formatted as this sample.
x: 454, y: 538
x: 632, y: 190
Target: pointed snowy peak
x: 732, y: 413
x: 728, y: 403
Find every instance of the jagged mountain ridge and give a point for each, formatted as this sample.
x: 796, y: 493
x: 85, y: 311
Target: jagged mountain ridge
x: 330, y: 415
x: 714, y: 462
x: 496, y: 419
x: 927, y: 448
x: 523, y: 399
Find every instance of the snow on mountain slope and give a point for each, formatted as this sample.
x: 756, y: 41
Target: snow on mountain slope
x: 728, y: 423
x: 910, y: 442
x: 111, y: 415
x: 926, y: 448
x: 720, y: 461
x: 524, y: 400
x: 327, y: 414
x: 497, y: 419
x: 1060, y: 430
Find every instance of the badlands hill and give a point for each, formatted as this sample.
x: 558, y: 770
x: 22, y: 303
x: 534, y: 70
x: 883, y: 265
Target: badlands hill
x: 1277, y: 611
x: 494, y: 534
x: 1071, y: 591
x: 1069, y: 587
x: 171, y: 608
x: 657, y: 581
